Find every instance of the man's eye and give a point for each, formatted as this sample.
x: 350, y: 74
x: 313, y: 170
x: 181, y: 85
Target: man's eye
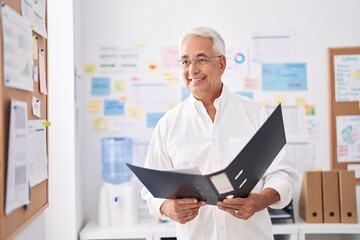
x: 185, y: 62
x: 202, y: 60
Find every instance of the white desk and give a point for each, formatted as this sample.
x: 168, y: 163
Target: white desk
x: 149, y: 229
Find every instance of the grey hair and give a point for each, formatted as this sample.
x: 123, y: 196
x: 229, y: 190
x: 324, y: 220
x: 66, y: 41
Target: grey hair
x: 207, y: 32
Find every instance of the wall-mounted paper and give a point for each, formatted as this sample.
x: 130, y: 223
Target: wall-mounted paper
x: 17, y: 47
x: 347, y: 78
x: 17, y: 176
x: 348, y: 138
x: 284, y: 77
x: 35, y: 13
x: 36, y: 107
x: 42, y: 69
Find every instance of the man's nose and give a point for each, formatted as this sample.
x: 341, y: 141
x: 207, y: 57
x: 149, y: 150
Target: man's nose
x: 193, y: 67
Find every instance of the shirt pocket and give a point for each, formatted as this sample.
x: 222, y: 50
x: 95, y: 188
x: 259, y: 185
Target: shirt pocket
x: 236, y: 144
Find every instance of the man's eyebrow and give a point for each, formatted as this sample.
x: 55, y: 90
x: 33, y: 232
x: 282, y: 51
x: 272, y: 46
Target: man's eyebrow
x: 197, y: 55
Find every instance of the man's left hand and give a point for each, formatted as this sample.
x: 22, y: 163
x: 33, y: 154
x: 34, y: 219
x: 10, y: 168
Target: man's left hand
x: 244, y: 208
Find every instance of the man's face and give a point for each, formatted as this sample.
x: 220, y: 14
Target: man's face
x: 202, y: 78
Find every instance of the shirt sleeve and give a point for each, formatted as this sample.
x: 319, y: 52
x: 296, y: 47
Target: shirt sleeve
x: 157, y: 158
x: 282, y: 177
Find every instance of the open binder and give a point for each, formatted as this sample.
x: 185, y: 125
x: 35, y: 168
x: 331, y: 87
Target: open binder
x: 236, y: 180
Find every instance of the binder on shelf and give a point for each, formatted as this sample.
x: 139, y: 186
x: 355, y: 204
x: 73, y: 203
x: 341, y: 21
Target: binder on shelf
x: 279, y: 215
x: 347, y: 193
x: 236, y: 180
x: 331, y: 204
x: 311, y: 199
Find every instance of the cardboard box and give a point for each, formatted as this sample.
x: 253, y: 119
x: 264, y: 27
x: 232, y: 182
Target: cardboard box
x: 311, y: 209
x: 347, y: 194
x: 331, y: 201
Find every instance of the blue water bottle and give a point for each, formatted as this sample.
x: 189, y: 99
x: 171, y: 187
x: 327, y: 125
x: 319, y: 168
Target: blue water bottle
x: 115, y: 153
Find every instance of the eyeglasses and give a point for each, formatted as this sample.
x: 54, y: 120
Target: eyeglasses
x: 201, y: 61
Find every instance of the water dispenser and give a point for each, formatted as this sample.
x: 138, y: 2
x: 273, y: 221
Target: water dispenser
x: 117, y: 203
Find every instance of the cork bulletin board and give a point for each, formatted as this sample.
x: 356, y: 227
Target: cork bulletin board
x: 14, y: 221
x: 344, y: 102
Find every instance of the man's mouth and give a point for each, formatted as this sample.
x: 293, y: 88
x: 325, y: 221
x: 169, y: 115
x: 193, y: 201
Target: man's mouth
x: 196, y: 79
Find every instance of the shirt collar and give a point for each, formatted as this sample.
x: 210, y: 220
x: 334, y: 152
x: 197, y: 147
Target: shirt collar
x: 219, y: 102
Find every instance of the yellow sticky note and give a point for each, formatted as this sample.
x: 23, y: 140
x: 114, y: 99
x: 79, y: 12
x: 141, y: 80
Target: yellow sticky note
x: 100, y: 123
x: 134, y: 112
x: 171, y: 105
x: 90, y: 69
x: 94, y: 106
x: 356, y: 74
x: 280, y: 98
x: 35, y: 47
x: 46, y: 123
x: 300, y: 101
x: 170, y: 78
x: 120, y: 85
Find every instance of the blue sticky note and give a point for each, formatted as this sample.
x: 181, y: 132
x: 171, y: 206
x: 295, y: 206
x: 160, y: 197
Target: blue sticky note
x: 114, y: 107
x: 100, y: 86
x: 246, y: 94
x: 153, y: 118
x: 284, y: 77
x: 184, y: 93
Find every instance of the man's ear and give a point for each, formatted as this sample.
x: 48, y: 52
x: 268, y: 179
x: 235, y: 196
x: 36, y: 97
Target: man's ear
x: 222, y: 63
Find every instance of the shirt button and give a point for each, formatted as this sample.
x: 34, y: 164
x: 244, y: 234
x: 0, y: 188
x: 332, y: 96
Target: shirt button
x: 214, y: 139
x: 221, y: 228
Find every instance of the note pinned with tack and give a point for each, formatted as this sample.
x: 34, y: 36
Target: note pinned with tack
x: 42, y: 70
x: 36, y: 107
x: 35, y: 47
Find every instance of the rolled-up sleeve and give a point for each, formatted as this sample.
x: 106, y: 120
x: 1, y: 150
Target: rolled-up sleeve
x: 282, y: 177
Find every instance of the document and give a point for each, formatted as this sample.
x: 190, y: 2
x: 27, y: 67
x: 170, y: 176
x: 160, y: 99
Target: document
x: 36, y: 152
x: 236, y: 180
x: 17, y: 47
x: 17, y: 181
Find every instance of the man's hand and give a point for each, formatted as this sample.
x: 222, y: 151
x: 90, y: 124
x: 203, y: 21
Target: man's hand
x: 181, y: 210
x: 244, y: 208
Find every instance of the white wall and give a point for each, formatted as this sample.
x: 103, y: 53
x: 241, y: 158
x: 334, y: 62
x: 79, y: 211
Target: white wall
x: 318, y: 25
x: 62, y: 219
x: 60, y: 216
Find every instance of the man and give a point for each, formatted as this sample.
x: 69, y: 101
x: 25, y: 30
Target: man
x: 207, y: 130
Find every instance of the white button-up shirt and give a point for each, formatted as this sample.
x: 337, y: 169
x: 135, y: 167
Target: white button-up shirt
x: 186, y: 136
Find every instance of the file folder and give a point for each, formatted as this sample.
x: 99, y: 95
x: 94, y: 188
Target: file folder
x: 311, y: 202
x: 236, y: 180
x: 347, y: 192
x: 331, y: 205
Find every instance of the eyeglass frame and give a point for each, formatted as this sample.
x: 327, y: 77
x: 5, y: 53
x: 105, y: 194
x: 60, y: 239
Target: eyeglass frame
x: 196, y: 61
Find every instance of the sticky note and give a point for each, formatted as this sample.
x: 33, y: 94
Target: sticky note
x: 113, y: 107
x: 134, y: 112
x: 279, y: 98
x: 89, y: 69
x: 153, y: 118
x: 120, y: 85
x: 100, y: 123
x: 35, y: 47
x: 94, y: 106
x: 100, y: 86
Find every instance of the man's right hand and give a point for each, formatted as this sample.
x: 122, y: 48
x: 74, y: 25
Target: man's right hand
x: 181, y: 210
